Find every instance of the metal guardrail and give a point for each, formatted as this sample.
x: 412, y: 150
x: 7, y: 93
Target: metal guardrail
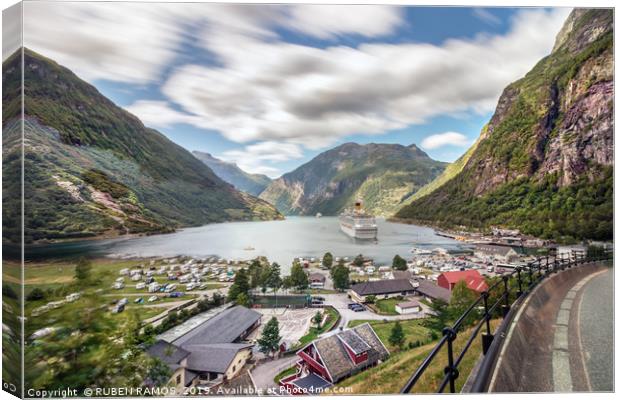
x: 523, y: 277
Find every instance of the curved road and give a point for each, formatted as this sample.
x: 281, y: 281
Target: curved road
x: 596, y: 330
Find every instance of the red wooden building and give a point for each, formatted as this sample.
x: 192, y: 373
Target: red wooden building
x: 472, y: 278
x: 330, y: 359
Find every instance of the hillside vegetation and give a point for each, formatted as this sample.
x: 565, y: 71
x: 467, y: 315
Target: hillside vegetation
x: 92, y: 169
x: 382, y: 175
x: 545, y: 164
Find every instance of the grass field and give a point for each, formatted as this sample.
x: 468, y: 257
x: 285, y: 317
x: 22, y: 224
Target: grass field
x: 386, y: 306
x: 313, y: 333
x: 391, y: 375
x: 286, y: 372
x: 412, y: 328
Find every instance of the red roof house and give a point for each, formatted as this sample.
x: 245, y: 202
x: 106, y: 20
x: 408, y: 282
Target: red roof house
x: 472, y: 279
x: 332, y: 358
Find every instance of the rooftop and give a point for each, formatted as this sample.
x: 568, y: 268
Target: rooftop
x: 382, y: 287
x: 429, y: 289
x: 225, y: 327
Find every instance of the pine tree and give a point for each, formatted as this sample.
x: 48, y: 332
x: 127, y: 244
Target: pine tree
x: 298, y: 276
x: 269, y: 341
x: 399, y: 263
x: 328, y: 260
x: 397, y: 336
x: 317, y: 319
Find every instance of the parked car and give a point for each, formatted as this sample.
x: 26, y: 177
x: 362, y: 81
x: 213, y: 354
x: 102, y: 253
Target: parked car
x: 319, y: 298
x: 359, y: 308
x: 152, y: 299
x: 139, y: 300
x: 176, y: 294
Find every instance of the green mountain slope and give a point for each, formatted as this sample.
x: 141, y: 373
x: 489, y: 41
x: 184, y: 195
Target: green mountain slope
x: 450, y: 172
x: 382, y: 175
x: 253, y: 184
x: 545, y: 164
x: 93, y: 169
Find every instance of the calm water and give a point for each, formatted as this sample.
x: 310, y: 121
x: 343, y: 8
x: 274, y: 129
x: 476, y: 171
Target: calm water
x: 280, y: 241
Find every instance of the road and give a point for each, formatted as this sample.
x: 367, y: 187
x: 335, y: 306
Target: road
x: 263, y: 373
x: 596, y: 331
x: 339, y: 302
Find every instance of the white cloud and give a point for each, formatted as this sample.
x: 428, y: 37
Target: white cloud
x: 445, y: 139
x: 328, y: 21
x: 268, y: 90
x: 486, y: 16
x: 253, y: 157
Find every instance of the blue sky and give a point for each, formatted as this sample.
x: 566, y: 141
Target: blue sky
x: 270, y: 87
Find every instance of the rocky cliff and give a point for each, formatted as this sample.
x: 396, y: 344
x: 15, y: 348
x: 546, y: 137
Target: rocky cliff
x: 545, y: 163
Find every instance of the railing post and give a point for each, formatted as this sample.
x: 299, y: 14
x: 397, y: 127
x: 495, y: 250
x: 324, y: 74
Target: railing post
x: 506, y: 306
x: 487, y: 337
x: 520, y: 292
x: 451, y: 372
x: 530, y: 267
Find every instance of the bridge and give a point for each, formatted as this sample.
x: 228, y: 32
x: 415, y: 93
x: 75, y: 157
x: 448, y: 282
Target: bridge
x: 555, y: 332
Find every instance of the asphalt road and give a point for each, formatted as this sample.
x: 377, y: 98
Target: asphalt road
x: 596, y: 331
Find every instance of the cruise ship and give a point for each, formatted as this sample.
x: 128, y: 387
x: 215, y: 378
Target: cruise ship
x: 358, y: 224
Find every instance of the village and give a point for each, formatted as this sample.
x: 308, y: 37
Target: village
x: 333, y: 316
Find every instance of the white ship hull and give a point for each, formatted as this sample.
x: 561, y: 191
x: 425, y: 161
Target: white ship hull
x: 358, y: 231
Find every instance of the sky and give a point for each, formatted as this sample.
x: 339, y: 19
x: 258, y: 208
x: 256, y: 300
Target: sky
x: 271, y: 86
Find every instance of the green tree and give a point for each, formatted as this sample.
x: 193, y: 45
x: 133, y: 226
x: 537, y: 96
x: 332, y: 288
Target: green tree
x: 461, y: 298
x: 158, y: 373
x: 274, y: 281
x: 269, y: 341
x: 328, y: 260
x: 340, y: 277
x: 399, y: 263
x: 256, y: 271
x: 299, y: 276
x: 287, y: 282
x: 317, y: 319
x: 243, y: 300
x: 397, y: 335
x: 438, y: 317
x: 83, y: 270
x: 359, y: 260
x: 370, y: 299
x: 241, y: 285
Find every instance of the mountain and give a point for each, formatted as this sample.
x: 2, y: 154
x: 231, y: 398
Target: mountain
x: 92, y: 169
x: 382, y: 175
x: 253, y: 184
x: 545, y: 163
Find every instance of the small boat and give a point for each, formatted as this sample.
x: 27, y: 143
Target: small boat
x: 249, y: 248
x: 319, y: 215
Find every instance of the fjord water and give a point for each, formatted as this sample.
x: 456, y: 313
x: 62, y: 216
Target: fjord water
x: 280, y: 241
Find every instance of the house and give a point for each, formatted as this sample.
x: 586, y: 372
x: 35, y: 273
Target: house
x: 317, y: 281
x: 381, y: 289
x: 409, y: 307
x: 328, y: 360
x: 499, y: 253
x: 212, y: 353
x: 472, y: 278
x: 432, y: 292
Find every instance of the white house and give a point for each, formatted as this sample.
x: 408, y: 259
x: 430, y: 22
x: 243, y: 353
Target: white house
x: 409, y: 307
x: 72, y: 297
